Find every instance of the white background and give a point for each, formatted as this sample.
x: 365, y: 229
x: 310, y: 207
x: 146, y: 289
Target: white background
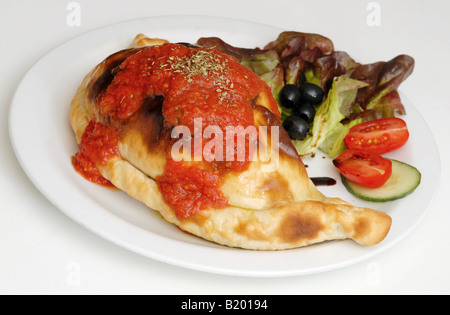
x: 44, y: 252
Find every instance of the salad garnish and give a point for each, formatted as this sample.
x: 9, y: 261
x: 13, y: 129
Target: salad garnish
x: 332, y: 103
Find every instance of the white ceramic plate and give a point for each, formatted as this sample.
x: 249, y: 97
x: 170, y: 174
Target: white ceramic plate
x: 44, y: 143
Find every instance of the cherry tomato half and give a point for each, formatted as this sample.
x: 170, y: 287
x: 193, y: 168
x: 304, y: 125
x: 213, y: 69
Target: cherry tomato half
x: 378, y: 136
x: 366, y: 169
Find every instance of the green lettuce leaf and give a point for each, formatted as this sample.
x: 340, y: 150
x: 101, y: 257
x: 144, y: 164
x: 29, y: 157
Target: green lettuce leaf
x: 334, y: 144
x: 329, y: 116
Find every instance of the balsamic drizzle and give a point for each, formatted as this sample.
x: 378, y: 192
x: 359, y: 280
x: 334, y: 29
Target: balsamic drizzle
x: 323, y: 181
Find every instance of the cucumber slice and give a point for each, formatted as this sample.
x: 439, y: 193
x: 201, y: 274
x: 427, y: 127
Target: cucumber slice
x: 403, y: 181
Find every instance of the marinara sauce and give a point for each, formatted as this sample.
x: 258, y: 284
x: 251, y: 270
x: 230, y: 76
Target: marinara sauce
x: 98, y: 144
x: 198, y: 85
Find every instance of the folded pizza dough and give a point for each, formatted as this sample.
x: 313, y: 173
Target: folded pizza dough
x: 273, y: 210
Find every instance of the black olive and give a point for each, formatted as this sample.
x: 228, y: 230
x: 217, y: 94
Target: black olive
x: 305, y: 111
x: 290, y: 96
x: 296, y: 127
x: 311, y: 93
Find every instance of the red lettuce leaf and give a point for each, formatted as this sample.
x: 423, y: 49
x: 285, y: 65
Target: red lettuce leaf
x: 312, y: 41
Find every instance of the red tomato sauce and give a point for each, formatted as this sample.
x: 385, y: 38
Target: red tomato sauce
x: 195, y: 83
x: 98, y: 144
x: 189, y: 189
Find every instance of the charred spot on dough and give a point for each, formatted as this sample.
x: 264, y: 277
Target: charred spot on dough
x: 361, y: 227
x: 111, y: 67
x: 298, y: 226
x: 153, y: 105
x: 274, y: 187
x: 157, y: 136
x: 251, y: 230
x: 148, y: 122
